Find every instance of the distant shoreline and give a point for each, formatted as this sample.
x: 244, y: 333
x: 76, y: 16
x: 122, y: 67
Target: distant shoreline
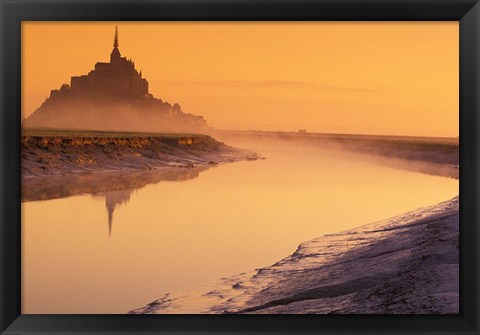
x: 428, y: 155
x: 415, y: 138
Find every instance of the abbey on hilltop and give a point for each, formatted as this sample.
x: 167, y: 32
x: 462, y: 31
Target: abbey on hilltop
x: 113, y: 96
x: 117, y: 78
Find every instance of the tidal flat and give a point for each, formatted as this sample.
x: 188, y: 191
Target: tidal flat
x: 212, y: 238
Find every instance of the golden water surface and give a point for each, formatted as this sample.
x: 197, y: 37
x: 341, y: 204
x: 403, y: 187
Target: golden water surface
x: 127, y: 245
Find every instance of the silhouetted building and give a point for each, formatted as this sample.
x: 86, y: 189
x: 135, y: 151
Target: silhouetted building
x: 117, y: 78
x: 113, y: 96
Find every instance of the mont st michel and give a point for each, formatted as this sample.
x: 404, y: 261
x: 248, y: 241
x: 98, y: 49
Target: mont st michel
x: 107, y: 120
x: 113, y: 96
x: 305, y: 173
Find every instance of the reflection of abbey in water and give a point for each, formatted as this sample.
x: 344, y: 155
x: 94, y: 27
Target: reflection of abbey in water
x: 115, y: 187
x: 113, y: 96
x: 112, y: 200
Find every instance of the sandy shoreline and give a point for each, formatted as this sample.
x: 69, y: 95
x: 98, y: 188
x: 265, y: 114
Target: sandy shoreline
x: 408, y: 264
x: 61, y: 154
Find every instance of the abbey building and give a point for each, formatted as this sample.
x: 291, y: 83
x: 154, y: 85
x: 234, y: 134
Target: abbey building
x: 116, y: 78
x: 113, y: 96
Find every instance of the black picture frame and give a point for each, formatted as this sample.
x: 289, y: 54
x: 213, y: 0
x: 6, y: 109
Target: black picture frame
x: 13, y: 12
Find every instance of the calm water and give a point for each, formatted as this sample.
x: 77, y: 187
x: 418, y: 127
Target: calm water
x: 114, y: 242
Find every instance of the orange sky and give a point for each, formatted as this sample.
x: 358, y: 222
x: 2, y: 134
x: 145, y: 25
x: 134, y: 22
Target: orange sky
x: 355, y: 77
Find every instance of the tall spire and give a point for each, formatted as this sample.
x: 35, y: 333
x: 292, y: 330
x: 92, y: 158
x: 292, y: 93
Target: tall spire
x: 115, y: 41
x: 115, y: 55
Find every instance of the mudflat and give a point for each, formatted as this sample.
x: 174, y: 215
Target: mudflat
x: 62, y: 152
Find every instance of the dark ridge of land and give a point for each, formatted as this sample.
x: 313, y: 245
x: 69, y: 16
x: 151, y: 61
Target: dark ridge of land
x: 59, y: 152
x: 325, y: 136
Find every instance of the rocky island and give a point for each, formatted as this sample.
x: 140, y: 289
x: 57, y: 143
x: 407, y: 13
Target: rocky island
x: 113, y: 96
x: 108, y: 121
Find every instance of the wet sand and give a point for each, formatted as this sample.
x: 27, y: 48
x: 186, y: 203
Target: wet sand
x: 408, y: 264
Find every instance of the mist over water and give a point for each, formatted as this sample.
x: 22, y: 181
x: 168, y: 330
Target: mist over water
x: 177, y: 234
x: 149, y: 115
x: 429, y: 155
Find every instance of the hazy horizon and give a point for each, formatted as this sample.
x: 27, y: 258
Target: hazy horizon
x: 366, y: 78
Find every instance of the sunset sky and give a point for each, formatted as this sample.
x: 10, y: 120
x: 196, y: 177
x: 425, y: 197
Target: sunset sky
x: 398, y: 78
